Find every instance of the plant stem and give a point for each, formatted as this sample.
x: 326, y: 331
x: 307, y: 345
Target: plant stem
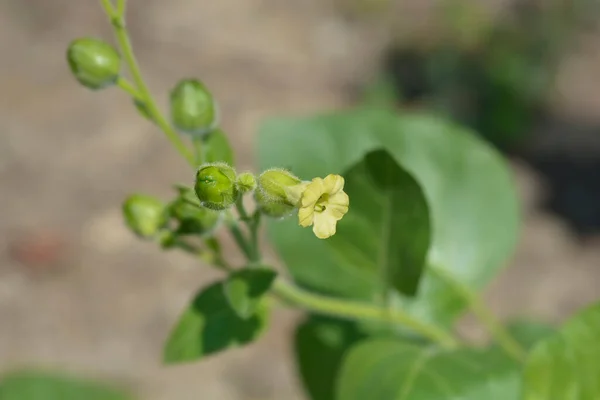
x: 252, y: 223
x: 254, y: 226
x: 485, y: 316
x: 109, y: 9
x: 359, y: 311
x: 129, y: 88
x: 121, y: 5
x: 238, y: 236
x: 118, y: 23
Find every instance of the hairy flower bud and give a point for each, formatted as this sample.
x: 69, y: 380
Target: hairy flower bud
x: 278, y: 192
x: 280, y: 186
x: 145, y: 215
x: 216, y: 186
x: 94, y: 63
x: 193, y: 108
x: 272, y: 208
x: 246, y: 182
x: 193, y: 219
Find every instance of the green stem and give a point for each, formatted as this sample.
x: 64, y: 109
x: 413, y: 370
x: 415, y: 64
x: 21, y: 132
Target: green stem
x: 109, y: 9
x: 254, y: 225
x: 129, y: 88
x: 485, y: 316
x: 359, y: 311
x: 239, y: 206
x: 238, y: 236
x: 118, y: 23
x: 210, y: 256
x: 121, y: 5
x: 252, y: 222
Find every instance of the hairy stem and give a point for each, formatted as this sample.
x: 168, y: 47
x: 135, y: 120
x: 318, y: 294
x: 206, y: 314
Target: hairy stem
x: 118, y: 23
x: 485, y: 316
x: 238, y: 236
x: 359, y: 311
x: 252, y: 223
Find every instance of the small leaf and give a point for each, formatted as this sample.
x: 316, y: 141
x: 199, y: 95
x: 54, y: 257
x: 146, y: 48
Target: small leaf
x: 566, y: 365
x: 39, y: 385
x: 245, y: 288
x: 320, y: 343
x: 217, y: 148
x: 210, y: 325
x: 385, y: 369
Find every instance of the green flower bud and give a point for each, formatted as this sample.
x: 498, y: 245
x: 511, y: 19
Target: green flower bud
x: 95, y: 63
x: 167, y: 239
x: 280, y: 186
x: 246, y: 182
x: 193, y: 219
x: 193, y: 108
x: 272, y: 208
x: 145, y: 215
x: 215, y: 186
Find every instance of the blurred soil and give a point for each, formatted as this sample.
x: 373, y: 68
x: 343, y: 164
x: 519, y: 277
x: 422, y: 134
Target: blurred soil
x: 79, y: 292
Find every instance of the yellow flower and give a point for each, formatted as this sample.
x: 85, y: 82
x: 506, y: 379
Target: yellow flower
x: 323, y: 203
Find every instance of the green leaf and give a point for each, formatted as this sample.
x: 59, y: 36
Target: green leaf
x: 210, y: 325
x: 244, y: 289
x: 217, y: 148
x: 467, y: 185
x: 389, y: 223
x: 382, y: 369
x: 528, y: 333
x: 566, y: 366
x: 39, y: 385
x: 320, y: 343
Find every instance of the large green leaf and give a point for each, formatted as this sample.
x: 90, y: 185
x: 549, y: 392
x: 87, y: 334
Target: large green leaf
x: 210, y: 325
x: 388, y: 231
x: 385, y: 369
x: 320, y: 343
x: 466, y: 183
x: 40, y: 385
x: 566, y: 366
x: 245, y: 288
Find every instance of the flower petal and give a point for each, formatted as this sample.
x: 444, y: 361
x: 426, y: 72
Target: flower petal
x: 324, y: 225
x: 306, y: 216
x: 339, y: 199
x: 337, y: 205
x: 333, y: 184
x: 312, y: 193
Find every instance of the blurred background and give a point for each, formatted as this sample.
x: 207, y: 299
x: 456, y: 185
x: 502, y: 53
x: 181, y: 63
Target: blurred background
x: 79, y: 293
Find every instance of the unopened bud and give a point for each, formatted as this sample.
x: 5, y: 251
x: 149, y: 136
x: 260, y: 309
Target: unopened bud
x: 193, y: 219
x: 216, y: 186
x: 95, y: 63
x: 281, y: 186
x: 193, y: 108
x: 145, y: 215
x: 246, y: 182
x: 272, y: 208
